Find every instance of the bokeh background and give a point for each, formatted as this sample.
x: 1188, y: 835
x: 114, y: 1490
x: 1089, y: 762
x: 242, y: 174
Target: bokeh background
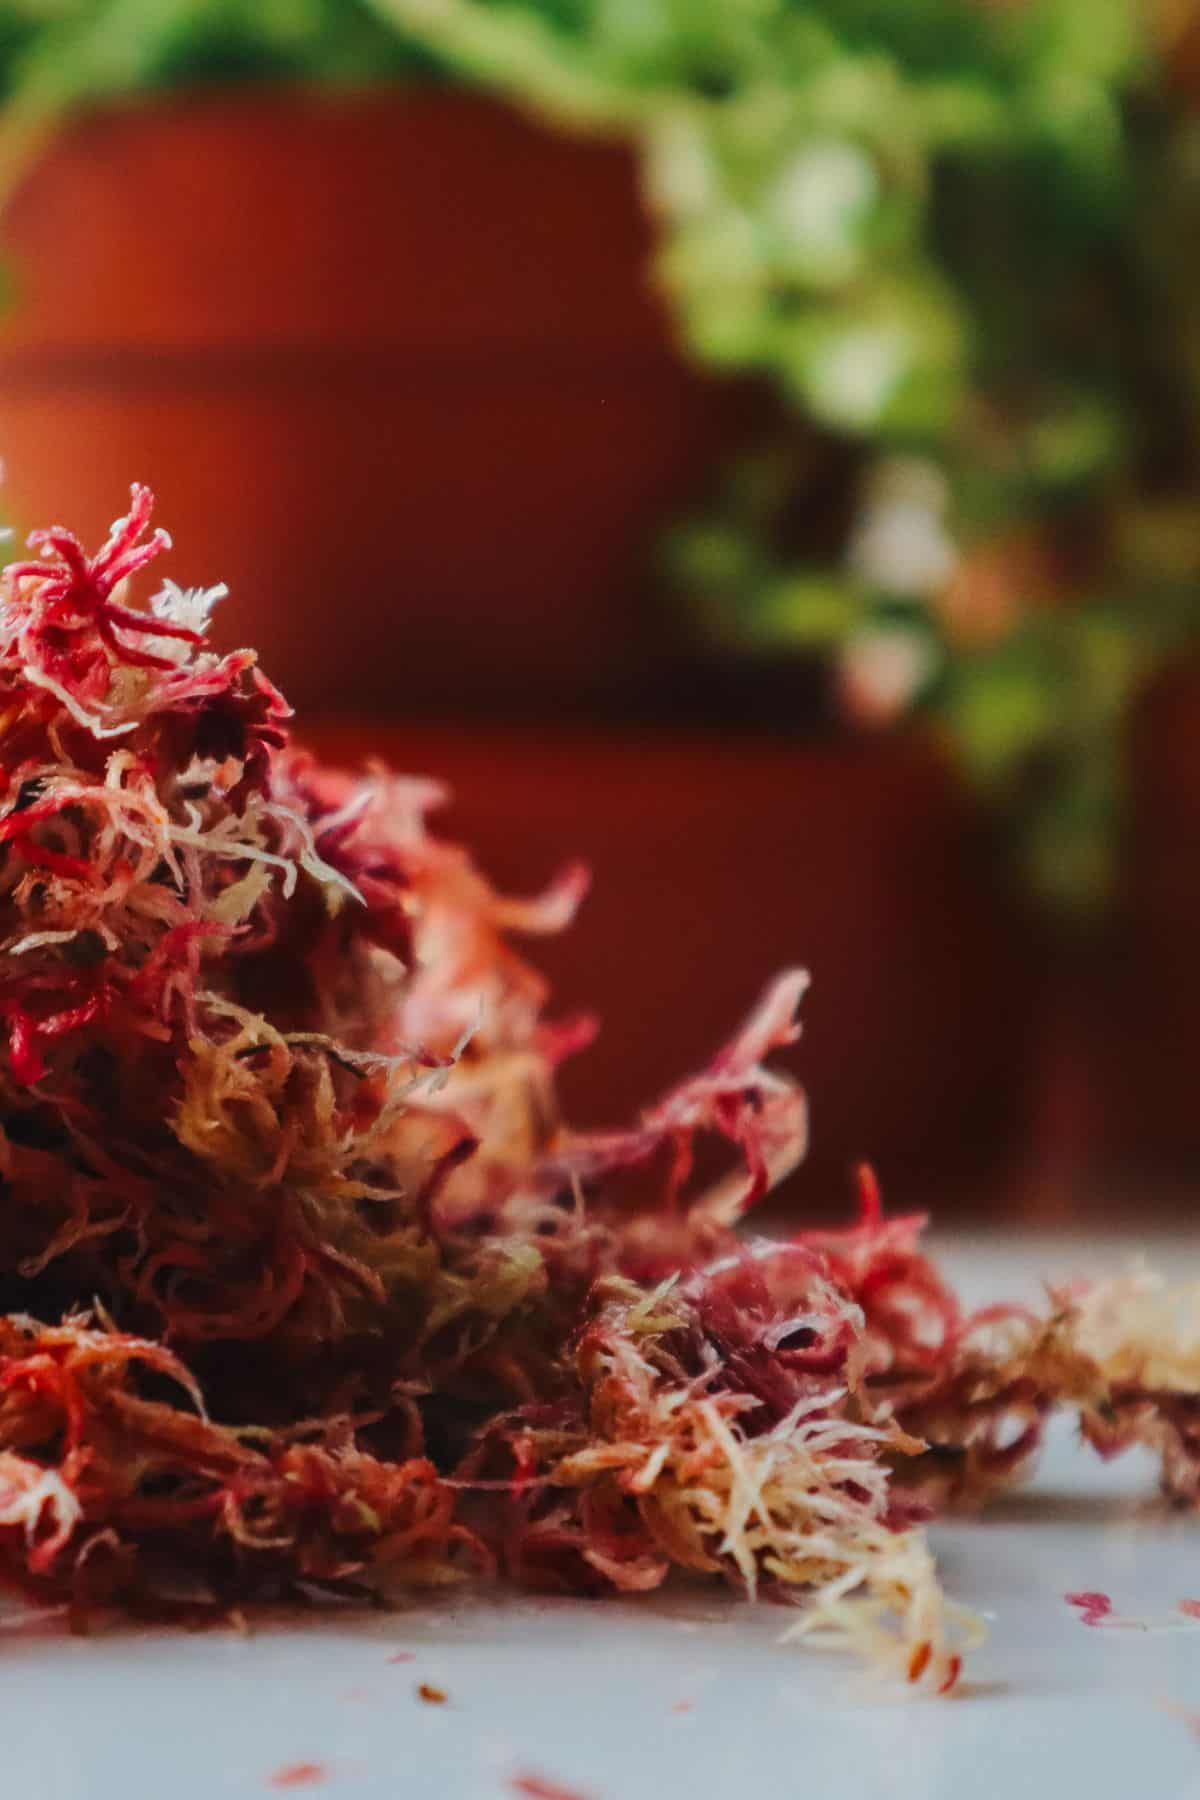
x: 751, y: 443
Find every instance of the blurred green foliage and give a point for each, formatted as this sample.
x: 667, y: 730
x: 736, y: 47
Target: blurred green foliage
x: 55, y: 52
x: 955, y: 236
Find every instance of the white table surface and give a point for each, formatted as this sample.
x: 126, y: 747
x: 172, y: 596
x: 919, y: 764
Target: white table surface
x: 684, y: 1694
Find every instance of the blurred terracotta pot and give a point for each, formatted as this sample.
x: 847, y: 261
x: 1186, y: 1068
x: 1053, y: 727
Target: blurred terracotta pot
x: 1112, y: 1072
x: 1150, y: 1036
x: 987, y: 1065
x: 717, y: 863
x: 394, y: 368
